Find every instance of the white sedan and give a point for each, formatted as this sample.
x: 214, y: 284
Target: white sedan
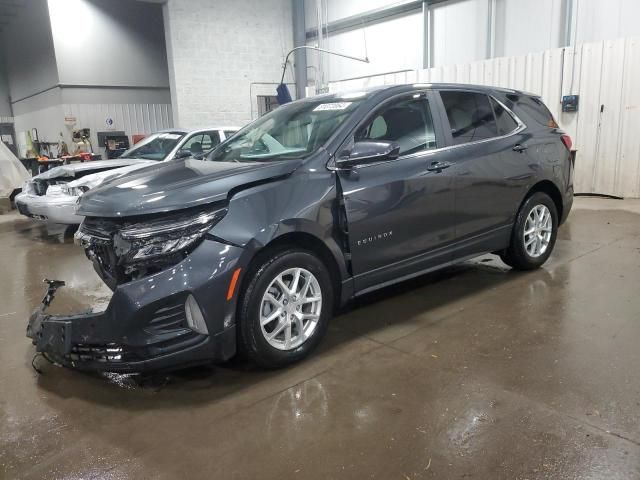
x: 53, y: 195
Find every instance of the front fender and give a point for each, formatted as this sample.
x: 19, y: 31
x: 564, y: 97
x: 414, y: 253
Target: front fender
x: 305, y: 202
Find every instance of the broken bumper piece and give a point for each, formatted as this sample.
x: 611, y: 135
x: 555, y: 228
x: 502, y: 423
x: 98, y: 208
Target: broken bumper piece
x: 148, y: 324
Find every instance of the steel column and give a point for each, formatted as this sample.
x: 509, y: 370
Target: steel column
x: 300, y: 55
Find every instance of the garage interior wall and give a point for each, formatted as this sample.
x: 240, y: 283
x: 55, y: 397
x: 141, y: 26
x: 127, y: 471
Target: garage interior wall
x: 6, y: 115
x: 414, y: 34
x: 84, y: 58
x: 32, y: 74
x: 522, y: 26
x: 222, y: 55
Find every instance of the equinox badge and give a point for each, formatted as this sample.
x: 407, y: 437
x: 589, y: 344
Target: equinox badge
x: 375, y: 238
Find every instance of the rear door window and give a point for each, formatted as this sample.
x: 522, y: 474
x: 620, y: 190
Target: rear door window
x: 407, y: 122
x: 210, y: 140
x: 194, y: 144
x: 470, y: 116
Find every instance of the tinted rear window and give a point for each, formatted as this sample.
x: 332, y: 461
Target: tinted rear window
x: 535, y: 109
x: 506, y: 123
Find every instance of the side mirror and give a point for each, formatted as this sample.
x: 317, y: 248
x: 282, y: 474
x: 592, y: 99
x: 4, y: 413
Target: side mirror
x: 182, y: 154
x: 369, y: 151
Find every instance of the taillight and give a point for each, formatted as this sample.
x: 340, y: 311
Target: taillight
x: 566, y: 139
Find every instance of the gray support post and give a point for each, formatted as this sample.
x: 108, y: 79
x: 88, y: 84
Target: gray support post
x: 491, y: 29
x: 566, y: 23
x: 427, y: 34
x: 299, y: 39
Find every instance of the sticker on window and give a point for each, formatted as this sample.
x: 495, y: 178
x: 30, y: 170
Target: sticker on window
x: 332, y: 106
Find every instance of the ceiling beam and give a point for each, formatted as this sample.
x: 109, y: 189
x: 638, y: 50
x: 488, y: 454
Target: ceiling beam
x: 371, y: 17
x: 10, y: 5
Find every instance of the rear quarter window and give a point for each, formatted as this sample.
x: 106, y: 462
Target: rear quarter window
x: 535, y: 109
x: 506, y: 123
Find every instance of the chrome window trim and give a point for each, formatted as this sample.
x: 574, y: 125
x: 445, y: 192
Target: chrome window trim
x: 520, y: 127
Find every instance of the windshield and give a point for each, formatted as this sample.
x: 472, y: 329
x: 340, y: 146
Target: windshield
x: 154, y: 147
x: 291, y: 131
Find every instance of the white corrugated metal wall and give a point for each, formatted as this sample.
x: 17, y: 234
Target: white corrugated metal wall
x: 142, y: 118
x: 133, y: 119
x: 606, y: 128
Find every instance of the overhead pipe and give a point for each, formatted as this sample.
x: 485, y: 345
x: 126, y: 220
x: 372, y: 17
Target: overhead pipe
x: 283, y: 91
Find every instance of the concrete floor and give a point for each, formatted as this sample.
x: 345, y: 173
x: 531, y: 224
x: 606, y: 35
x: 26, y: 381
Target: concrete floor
x: 475, y: 372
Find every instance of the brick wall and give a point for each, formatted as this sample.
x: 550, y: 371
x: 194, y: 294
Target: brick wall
x: 217, y: 49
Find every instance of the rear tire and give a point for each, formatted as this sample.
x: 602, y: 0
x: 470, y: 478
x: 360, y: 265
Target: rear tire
x: 534, y: 233
x: 281, y: 320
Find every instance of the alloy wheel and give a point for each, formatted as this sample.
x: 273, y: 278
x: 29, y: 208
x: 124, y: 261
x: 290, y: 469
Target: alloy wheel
x: 290, y: 308
x: 537, y: 231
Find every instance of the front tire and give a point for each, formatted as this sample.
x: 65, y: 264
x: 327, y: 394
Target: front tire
x: 285, y: 308
x: 534, y: 233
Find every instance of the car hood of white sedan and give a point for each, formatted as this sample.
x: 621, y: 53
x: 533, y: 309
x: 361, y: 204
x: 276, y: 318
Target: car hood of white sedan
x: 95, y: 179
x: 75, y: 168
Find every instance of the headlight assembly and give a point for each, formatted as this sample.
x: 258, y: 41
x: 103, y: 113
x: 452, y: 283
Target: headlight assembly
x: 74, y: 191
x: 162, y: 237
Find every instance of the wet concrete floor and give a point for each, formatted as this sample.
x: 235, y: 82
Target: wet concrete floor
x: 474, y: 372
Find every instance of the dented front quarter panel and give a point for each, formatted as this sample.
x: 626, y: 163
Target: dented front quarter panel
x: 304, y: 203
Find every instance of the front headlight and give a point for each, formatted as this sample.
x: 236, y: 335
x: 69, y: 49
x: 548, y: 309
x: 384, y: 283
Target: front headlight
x: 74, y: 191
x: 27, y: 187
x: 166, y: 236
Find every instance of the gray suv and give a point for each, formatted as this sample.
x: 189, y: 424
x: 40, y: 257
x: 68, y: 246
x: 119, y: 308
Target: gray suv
x: 253, y: 248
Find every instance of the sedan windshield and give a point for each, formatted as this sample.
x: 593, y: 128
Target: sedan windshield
x: 154, y: 147
x: 289, y: 132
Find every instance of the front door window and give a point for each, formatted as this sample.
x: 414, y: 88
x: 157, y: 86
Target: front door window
x: 407, y: 123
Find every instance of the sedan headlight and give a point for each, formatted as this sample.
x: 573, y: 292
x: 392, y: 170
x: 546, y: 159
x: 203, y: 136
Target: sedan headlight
x: 27, y: 187
x: 74, y: 191
x: 166, y: 236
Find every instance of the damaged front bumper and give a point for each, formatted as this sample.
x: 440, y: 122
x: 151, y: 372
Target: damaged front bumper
x: 52, y: 208
x: 149, y: 323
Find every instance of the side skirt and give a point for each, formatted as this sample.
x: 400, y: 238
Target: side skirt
x: 443, y: 257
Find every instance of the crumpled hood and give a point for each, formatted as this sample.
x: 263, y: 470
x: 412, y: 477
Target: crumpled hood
x: 72, y: 169
x: 176, y: 185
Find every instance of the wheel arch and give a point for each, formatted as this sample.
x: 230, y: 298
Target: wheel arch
x: 548, y: 187
x: 305, y: 241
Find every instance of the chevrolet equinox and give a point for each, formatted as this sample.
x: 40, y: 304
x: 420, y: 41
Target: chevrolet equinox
x: 252, y: 248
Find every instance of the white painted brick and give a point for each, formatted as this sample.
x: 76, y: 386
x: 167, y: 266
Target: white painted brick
x: 221, y: 47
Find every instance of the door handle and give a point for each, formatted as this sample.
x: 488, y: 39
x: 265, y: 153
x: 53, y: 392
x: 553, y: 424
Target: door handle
x: 438, y: 166
x: 518, y: 147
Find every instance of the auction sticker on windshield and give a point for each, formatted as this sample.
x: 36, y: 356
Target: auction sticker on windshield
x: 332, y: 106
